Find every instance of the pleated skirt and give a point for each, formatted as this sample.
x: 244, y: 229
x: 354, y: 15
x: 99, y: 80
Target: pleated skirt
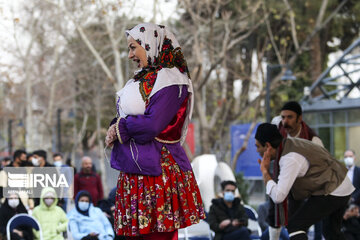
x: 165, y: 203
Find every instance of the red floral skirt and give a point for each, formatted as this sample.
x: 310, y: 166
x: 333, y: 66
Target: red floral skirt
x: 165, y: 203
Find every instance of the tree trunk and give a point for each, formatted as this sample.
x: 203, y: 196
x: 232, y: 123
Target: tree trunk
x: 100, y: 141
x: 29, y: 128
x: 205, y: 140
x: 247, y: 71
x: 315, y: 60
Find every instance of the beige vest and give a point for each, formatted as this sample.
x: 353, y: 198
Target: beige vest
x: 324, y: 175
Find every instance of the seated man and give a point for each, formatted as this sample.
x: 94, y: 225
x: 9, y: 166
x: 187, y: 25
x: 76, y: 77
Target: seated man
x: 227, y: 216
x: 351, y: 223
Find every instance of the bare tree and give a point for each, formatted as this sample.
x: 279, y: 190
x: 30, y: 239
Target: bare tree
x: 232, y: 40
x: 217, y: 33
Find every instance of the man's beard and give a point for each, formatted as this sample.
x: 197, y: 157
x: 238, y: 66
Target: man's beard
x: 287, y: 126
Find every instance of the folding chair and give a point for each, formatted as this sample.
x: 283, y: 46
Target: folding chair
x: 200, y: 231
x: 22, y: 219
x: 253, y: 222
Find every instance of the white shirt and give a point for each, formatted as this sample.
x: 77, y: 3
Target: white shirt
x: 315, y: 139
x: 294, y: 165
x: 350, y: 173
x: 130, y: 102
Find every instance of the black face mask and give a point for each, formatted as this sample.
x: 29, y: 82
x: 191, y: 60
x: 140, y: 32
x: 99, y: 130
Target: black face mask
x: 24, y: 163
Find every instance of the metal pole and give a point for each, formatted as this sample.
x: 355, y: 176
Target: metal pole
x: 10, y: 136
x: 267, y: 97
x: 59, y: 129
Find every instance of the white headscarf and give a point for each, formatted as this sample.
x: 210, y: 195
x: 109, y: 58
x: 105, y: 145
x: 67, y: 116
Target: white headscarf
x: 156, y: 39
x: 151, y: 37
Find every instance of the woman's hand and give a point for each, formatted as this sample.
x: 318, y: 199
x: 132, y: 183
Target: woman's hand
x: 110, y: 136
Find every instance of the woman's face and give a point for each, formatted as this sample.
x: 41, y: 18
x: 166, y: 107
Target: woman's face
x: 137, y: 53
x: 13, y: 196
x: 84, y: 199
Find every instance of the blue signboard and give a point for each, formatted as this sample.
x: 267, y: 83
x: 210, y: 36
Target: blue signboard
x: 247, y: 161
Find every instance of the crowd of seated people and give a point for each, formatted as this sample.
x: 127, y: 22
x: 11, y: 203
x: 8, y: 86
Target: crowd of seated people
x: 58, y: 217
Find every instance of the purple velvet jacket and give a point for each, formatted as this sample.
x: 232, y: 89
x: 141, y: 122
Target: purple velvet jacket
x: 143, y: 129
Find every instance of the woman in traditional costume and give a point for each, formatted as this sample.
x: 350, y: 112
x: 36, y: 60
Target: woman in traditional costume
x: 157, y: 193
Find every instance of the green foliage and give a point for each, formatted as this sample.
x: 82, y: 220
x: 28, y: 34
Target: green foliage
x: 344, y: 27
x: 242, y: 186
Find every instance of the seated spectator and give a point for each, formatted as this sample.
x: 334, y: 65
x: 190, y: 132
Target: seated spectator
x: 227, y: 216
x: 5, y: 162
x: 351, y: 224
x: 108, y: 208
x: 87, y: 222
x: 52, y: 218
x: 10, y: 208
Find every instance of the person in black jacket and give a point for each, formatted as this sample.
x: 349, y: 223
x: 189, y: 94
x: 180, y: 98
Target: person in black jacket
x: 10, y: 208
x: 351, y: 223
x: 227, y: 216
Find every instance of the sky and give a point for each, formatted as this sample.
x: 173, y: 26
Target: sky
x: 11, y: 15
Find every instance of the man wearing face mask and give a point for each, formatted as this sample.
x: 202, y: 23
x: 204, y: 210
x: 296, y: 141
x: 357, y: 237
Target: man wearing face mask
x: 67, y: 171
x: 52, y: 218
x: 58, y: 160
x: 19, y: 159
x: 39, y: 159
x: 354, y: 175
x: 227, y: 216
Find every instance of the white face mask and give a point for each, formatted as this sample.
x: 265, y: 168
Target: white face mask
x: 349, y: 161
x: 35, y: 161
x: 13, y: 203
x: 58, y: 163
x: 48, y: 201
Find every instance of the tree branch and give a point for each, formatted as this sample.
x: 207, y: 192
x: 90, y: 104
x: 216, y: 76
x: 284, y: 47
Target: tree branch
x: 271, y: 35
x: 293, y: 24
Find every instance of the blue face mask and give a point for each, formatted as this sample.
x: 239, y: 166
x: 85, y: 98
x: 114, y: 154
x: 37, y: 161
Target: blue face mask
x: 57, y: 163
x: 83, y: 206
x: 229, y: 196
